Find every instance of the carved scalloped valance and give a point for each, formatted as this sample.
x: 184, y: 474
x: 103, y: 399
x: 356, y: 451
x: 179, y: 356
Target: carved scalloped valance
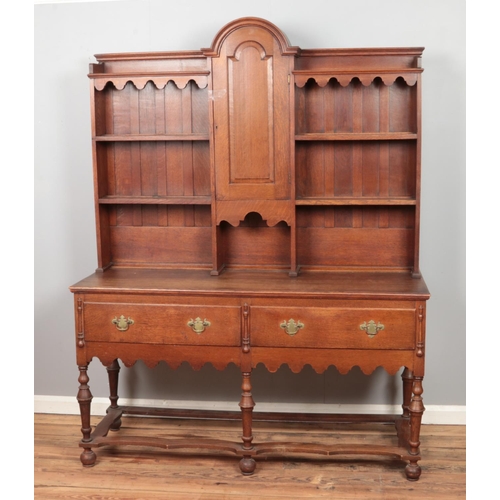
x: 320, y: 367
x: 273, y: 212
x: 323, y: 359
x: 236, y: 220
x: 295, y: 365
x: 366, y: 78
x: 174, y: 364
x: 160, y: 80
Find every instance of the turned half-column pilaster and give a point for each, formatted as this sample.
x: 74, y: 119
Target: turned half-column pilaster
x: 84, y: 398
x: 247, y: 463
x: 113, y: 371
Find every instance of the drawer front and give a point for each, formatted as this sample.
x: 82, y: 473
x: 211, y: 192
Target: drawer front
x: 342, y: 328
x: 162, y: 324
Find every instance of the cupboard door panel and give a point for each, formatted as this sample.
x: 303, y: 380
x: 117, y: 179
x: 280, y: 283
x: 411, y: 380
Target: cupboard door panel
x: 251, y: 117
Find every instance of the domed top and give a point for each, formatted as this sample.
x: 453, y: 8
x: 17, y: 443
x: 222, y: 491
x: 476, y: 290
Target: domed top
x: 244, y: 22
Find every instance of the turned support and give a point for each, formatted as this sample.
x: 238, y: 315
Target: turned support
x: 416, y: 410
x: 247, y: 463
x: 84, y: 398
x: 113, y: 371
x: 407, y: 377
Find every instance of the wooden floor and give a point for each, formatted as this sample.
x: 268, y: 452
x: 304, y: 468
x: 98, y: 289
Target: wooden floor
x: 135, y: 474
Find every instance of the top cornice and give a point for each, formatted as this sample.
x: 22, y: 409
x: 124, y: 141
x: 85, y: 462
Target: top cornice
x: 375, y: 51
x: 149, y: 56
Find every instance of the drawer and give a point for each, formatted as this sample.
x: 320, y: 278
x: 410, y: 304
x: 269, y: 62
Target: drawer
x: 324, y: 327
x: 162, y: 324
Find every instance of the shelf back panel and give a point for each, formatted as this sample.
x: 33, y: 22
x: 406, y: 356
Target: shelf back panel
x: 165, y: 168
x: 355, y: 107
x: 150, y: 110
x: 160, y: 235
x: 160, y: 215
x: 355, y: 236
x: 256, y: 246
x: 355, y: 169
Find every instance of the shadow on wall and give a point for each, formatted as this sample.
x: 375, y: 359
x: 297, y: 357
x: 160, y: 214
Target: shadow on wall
x: 283, y: 386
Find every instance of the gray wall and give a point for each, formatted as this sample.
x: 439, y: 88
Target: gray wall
x: 67, y: 36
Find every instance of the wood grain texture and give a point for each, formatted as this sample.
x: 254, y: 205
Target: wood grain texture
x: 335, y: 285
x: 143, y: 473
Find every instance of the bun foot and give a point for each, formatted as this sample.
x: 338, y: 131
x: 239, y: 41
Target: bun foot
x: 116, y: 426
x: 413, y: 471
x: 88, y: 457
x: 247, y: 466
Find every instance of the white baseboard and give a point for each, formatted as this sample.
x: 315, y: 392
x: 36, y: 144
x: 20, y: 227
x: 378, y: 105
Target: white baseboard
x: 434, y: 414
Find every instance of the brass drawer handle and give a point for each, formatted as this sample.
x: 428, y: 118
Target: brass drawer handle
x: 122, y: 323
x: 371, y: 328
x: 291, y: 327
x: 198, y: 325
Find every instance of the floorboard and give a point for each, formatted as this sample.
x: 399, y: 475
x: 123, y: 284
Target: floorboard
x: 134, y: 473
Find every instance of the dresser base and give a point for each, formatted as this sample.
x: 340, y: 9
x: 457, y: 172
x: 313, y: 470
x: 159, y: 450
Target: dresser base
x: 368, y: 320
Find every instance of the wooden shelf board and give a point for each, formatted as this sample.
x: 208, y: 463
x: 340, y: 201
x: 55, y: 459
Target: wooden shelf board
x: 363, y: 136
x: 155, y: 200
x: 355, y: 201
x: 355, y: 71
x: 151, y: 137
x: 145, y: 74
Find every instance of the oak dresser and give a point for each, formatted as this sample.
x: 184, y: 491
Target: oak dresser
x: 256, y: 203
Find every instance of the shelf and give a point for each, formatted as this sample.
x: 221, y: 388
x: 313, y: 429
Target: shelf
x: 155, y: 200
x: 355, y: 201
x: 363, y: 136
x: 151, y: 137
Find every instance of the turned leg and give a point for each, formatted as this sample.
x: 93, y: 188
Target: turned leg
x: 416, y: 410
x: 247, y: 463
x: 403, y: 423
x: 113, y: 372
x: 407, y: 377
x: 84, y: 398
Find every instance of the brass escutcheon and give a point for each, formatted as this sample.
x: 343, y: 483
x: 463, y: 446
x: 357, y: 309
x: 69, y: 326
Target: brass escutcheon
x: 290, y: 327
x: 198, y: 325
x: 122, y: 323
x: 371, y: 328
